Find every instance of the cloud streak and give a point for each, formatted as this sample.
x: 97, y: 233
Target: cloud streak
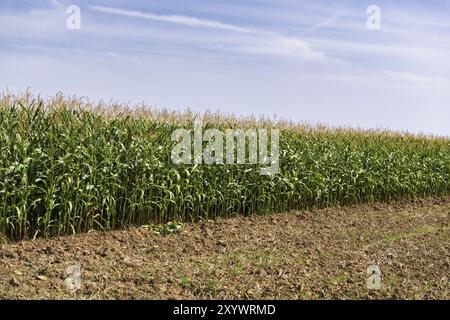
x: 177, y: 19
x: 409, y: 78
x: 268, y: 43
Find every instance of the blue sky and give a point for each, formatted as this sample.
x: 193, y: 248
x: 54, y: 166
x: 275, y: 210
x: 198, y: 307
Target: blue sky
x: 312, y: 61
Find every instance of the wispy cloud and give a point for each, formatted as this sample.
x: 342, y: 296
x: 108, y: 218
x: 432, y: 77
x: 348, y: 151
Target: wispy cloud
x: 268, y: 42
x: 409, y: 78
x: 321, y: 24
x: 178, y: 19
x: 279, y: 47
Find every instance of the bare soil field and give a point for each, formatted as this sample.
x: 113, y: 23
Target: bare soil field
x: 317, y: 254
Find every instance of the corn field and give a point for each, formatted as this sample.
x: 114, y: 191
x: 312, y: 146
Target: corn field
x: 69, y: 166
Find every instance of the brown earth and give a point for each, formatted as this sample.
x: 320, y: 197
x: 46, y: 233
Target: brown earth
x: 298, y: 255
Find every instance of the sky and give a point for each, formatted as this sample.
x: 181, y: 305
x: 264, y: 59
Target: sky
x: 305, y: 61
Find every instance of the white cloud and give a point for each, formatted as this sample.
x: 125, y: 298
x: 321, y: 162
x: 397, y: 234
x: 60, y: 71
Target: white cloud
x: 280, y: 47
x: 178, y: 19
x: 328, y: 21
x: 408, y: 78
x: 264, y: 42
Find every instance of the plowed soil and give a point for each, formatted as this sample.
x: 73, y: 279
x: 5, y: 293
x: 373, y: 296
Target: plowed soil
x: 319, y: 254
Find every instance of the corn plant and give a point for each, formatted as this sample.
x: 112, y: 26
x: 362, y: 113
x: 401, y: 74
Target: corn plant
x: 69, y: 166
